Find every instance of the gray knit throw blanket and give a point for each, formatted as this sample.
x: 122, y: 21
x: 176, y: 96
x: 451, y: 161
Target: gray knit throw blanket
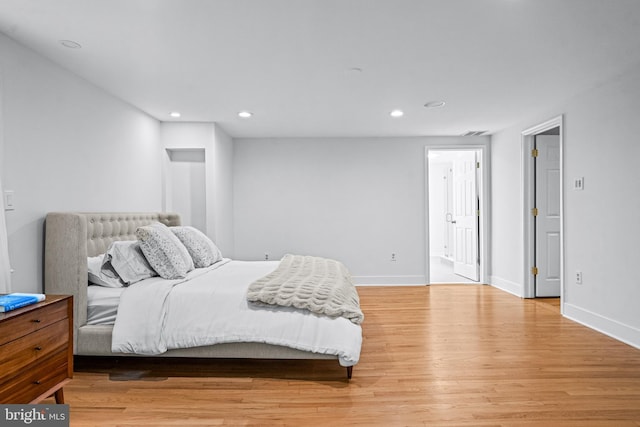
x: 320, y: 285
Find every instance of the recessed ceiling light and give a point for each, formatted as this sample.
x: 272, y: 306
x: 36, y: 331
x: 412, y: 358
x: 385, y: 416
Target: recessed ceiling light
x: 435, y: 104
x: 175, y: 114
x: 70, y: 44
x: 396, y: 113
x: 245, y: 114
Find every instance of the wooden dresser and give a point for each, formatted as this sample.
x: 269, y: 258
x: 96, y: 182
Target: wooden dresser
x: 36, y: 350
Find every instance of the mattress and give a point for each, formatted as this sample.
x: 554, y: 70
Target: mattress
x: 102, y: 306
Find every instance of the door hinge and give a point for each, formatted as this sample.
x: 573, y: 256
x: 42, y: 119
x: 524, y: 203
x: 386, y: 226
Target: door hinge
x: 477, y: 165
x: 534, y: 211
x: 534, y: 152
x: 534, y: 271
x: 478, y: 212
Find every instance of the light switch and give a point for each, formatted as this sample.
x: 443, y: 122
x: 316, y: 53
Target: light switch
x: 8, y: 200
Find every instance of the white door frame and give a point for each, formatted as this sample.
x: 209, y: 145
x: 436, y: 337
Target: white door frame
x: 528, y: 203
x: 483, y: 192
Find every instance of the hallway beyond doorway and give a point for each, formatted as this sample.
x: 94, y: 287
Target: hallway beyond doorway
x: 454, y: 202
x: 441, y: 271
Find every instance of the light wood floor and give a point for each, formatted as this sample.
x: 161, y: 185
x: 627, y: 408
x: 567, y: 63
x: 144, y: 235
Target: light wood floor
x: 445, y: 355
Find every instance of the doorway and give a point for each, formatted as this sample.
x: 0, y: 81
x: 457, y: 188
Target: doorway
x: 186, y: 190
x: 543, y: 213
x: 454, y: 195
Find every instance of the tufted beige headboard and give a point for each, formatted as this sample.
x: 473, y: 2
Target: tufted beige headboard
x: 71, y: 237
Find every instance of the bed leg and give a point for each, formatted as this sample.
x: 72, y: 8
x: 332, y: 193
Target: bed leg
x: 349, y: 372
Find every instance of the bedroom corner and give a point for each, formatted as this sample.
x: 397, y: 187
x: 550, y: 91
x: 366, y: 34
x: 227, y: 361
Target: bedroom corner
x: 197, y: 162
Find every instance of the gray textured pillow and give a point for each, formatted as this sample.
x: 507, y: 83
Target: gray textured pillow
x: 127, y: 260
x: 164, y: 251
x: 202, y: 250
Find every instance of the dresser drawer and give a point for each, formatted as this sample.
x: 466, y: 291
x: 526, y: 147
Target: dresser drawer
x: 32, y: 321
x: 36, y: 354
x: 20, y: 352
x: 34, y: 381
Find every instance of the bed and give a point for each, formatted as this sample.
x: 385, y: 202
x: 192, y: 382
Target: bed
x: 70, y: 238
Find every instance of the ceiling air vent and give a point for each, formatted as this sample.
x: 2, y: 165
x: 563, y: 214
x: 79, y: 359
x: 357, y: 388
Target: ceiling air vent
x: 474, y: 133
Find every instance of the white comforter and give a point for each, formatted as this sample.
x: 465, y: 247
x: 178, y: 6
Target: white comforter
x: 210, y: 307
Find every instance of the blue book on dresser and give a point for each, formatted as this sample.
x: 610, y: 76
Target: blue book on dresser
x: 16, y: 300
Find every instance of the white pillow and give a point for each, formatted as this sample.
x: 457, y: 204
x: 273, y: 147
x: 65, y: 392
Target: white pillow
x: 126, y: 260
x: 164, y: 251
x: 97, y: 277
x: 202, y: 250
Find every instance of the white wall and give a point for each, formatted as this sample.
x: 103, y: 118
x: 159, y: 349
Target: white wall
x: 222, y: 202
x: 68, y: 146
x: 354, y: 199
x: 602, y: 229
x: 218, y: 149
x: 507, y: 241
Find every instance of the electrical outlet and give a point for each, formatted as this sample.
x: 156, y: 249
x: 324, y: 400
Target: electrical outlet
x: 266, y: 256
x: 393, y: 257
x: 578, y: 184
x: 579, y: 277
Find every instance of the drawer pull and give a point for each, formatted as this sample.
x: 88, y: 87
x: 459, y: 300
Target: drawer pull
x: 36, y: 382
x: 36, y: 320
x: 38, y: 348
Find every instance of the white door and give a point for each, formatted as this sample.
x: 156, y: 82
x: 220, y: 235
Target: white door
x: 448, y: 226
x: 547, y: 220
x: 465, y: 216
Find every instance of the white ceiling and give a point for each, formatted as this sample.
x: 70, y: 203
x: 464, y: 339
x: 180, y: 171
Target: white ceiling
x: 288, y: 61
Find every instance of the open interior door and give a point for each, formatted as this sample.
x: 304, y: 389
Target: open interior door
x: 547, y: 215
x: 465, y: 216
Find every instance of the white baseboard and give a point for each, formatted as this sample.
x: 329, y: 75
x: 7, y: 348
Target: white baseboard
x: 389, y: 280
x: 506, y: 285
x: 625, y: 333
